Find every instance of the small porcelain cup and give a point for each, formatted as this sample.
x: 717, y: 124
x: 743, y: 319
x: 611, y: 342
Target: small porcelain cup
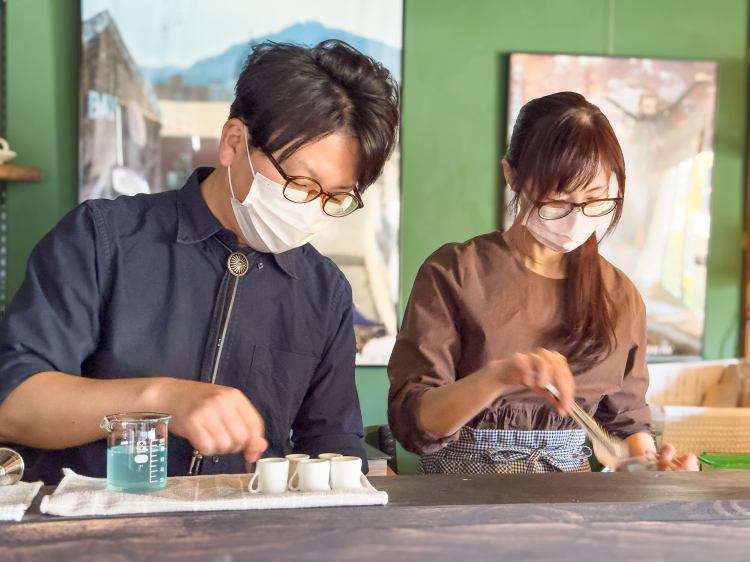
x: 345, y: 472
x: 5, y: 152
x: 293, y: 460
x: 329, y: 456
x: 271, y: 475
x: 312, y: 475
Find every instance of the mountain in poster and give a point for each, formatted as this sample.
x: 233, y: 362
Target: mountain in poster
x: 225, y: 68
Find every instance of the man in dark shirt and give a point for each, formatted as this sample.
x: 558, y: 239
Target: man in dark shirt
x: 207, y: 303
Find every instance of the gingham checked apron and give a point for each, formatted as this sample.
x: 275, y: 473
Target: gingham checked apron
x: 488, y: 451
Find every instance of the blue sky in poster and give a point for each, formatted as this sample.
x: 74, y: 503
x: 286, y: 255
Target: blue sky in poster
x: 225, y: 67
x: 163, y: 32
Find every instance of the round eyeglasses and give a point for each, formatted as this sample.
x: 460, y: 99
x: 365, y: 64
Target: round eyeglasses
x: 559, y: 209
x: 301, y: 189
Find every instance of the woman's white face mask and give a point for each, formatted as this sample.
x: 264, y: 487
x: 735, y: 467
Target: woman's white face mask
x: 570, y: 232
x: 561, y: 235
x: 271, y: 223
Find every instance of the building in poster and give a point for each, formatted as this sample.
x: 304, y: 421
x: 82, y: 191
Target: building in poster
x: 119, y: 117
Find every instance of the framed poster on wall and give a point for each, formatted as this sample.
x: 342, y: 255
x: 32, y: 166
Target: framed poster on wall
x: 663, y: 113
x: 157, y: 80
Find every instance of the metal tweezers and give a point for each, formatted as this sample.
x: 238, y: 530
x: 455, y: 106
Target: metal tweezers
x: 598, y: 435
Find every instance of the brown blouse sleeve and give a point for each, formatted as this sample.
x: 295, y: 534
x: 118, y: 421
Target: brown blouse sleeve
x: 426, y: 352
x: 626, y: 411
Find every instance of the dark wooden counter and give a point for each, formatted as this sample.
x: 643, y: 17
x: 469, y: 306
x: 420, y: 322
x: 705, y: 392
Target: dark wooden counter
x: 647, y: 516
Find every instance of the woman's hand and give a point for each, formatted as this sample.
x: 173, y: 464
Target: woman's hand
x: 445, y: 409
x: 535, y: 371
x: 669, y: 460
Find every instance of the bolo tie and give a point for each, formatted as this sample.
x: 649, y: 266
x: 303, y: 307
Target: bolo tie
x: 237, y: 264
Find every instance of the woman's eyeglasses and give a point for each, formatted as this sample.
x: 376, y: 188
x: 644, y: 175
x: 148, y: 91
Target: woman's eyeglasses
x: 559, y: 209
x: 301, y: 189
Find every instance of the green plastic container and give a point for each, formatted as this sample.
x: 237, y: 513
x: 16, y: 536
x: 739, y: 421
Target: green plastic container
x: 722, y: 461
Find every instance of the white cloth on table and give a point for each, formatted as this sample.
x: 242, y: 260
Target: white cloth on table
x: 16, y: 499
x: 80, y: 495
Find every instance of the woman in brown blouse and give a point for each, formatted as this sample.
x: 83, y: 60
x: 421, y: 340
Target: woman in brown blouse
x: 491, y: 321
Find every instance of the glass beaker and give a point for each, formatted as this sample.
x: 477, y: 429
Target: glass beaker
x: 136, y: 451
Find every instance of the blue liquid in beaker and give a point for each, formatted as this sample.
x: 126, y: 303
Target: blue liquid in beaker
x: 136, y: 472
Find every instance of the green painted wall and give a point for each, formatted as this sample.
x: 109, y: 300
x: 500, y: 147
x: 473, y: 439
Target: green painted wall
x: 43, y: 50
x: 454, y: 94
x: 453, y: 115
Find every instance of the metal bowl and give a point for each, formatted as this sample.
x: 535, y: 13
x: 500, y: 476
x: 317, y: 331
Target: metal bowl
x: 11, y: 467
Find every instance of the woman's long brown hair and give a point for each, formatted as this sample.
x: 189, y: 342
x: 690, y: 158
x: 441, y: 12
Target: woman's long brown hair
x: 559, y: 144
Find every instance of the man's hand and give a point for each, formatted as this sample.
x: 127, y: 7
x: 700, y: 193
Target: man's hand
x: 217, y: 420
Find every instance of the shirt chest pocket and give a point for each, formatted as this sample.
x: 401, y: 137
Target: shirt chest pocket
x: 280, y: 376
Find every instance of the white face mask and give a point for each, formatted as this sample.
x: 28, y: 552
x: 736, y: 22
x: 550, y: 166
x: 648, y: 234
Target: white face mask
x: 561, y: 235
x: 271, y: 223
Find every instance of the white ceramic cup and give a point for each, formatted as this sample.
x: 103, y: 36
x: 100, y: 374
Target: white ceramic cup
x: 329, y: 456
x: 293, y: 460
x: 5, y: 152
x: 271, y: 475
x: 345, y: 472
x: 312, y: 475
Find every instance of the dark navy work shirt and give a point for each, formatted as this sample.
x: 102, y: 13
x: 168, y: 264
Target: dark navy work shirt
x: 137, y: 287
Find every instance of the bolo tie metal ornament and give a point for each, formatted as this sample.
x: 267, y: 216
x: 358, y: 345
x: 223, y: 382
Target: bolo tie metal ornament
x: 11, y: 467
x: 237, y: 265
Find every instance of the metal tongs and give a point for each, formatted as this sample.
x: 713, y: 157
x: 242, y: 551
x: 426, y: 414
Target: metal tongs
x: 609, y: 450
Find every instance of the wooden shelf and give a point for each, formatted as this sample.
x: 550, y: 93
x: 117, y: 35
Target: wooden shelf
x: 26, y: 174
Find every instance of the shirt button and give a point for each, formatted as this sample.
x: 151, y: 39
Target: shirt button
x: 215, y: 458
x: 260, y: 265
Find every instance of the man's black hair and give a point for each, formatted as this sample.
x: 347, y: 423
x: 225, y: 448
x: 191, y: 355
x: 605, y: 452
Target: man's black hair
x: 289, y: 95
